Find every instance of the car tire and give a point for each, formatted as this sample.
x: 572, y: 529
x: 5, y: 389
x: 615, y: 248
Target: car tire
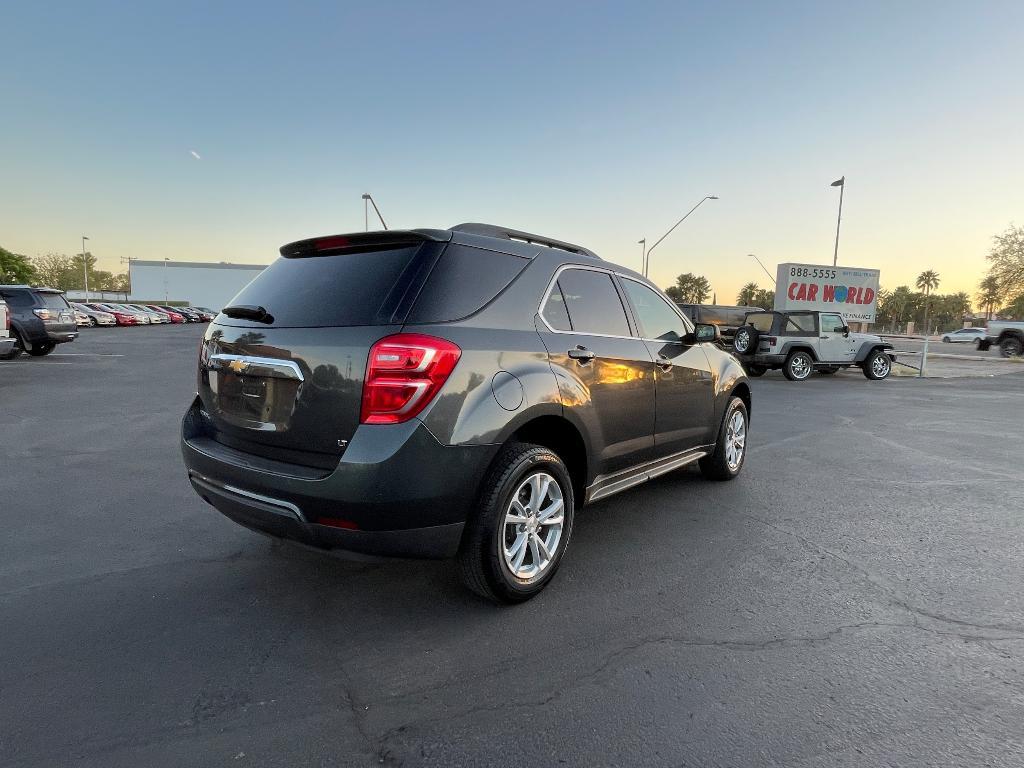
x: 798, y: 366
x: 1010, y: 347
x: 724, y: 463
x: 756, y: 370
x: 92, y: 322
x: 19, y: 346
x: 524, y: 480
x: 877, y: 365
x: 977, y: 344
x: 745, y: 340
x: 42, y: 349
x: 946, y: 340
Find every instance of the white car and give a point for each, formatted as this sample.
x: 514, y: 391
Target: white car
x: 964, y: 336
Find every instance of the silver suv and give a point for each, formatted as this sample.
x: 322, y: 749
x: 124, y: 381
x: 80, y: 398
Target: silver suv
x: 801, y: 342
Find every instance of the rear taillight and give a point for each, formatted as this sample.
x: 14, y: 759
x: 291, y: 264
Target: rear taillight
x: 771, y: 341
x: 403, y: 373
x: 5, y: 321
x: 43, y: 314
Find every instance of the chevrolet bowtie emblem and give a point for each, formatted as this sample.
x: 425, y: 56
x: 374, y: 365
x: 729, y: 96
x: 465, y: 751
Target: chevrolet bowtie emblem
x: 238, y: 365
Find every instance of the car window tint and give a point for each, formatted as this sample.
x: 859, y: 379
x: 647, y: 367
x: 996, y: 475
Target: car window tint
x: 762, y: 321
x: 593, y: 303
x: 800, y: 323
x: 463, y: 281
x: 656, y: 318
x: 555, y: 312
x: 831, y: 324
x: 19, y: 299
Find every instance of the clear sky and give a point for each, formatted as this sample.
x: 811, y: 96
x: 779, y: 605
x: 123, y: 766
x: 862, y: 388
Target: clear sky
x: 599, y: 123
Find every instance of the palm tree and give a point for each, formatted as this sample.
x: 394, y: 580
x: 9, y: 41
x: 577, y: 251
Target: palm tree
x: 748, y: 293
x: 989, y: 295
x: 927, y: 282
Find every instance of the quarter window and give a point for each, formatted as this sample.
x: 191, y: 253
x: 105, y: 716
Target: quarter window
x: 591, y: 303
x: 800, y: 324
x: 657, y: 319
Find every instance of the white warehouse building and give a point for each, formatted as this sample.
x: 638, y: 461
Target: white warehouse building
x: 200, y: 284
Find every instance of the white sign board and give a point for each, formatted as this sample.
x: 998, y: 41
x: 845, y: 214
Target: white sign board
x: 851, y: 291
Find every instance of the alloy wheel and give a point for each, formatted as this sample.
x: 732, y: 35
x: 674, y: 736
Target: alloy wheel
x: 735, y: 440
x: 532, y: 530
x: 800, y: 366
x: 880, y: 366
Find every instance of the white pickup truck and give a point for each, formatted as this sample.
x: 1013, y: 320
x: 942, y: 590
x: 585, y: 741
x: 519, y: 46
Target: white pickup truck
x: 7, y: 348
x: 1008, y: 335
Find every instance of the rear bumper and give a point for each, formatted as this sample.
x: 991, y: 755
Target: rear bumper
x: 765, y: 359
x: 396, y: 491
x: 6, y: 345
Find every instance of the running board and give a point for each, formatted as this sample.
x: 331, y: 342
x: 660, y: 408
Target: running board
x: 606, y: 485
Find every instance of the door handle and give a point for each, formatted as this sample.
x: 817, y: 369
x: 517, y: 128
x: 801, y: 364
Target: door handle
x: 824, y: 337
x: 581, y: 354
x: 664, y: 363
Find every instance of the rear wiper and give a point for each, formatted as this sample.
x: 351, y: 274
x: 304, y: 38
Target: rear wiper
x: 249, y: 312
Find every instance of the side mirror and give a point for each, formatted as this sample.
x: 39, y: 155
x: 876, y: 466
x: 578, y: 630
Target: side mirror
x: 706, y: 332
x: 846, y: 330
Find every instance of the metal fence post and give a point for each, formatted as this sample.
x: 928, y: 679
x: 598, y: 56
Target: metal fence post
x: 924, y: 357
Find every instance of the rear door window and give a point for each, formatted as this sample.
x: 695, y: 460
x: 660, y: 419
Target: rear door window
x: 800, y: 324
x: 592, y: 303
x: 762, y: 321
x: 54, y: 301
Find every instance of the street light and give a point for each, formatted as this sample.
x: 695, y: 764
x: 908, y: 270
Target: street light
x: 166, y: 301
x: 698, y: 205
x: 85, y: 268
x: 643, y: 254
x: 366, y: 212
x: 841, y: 183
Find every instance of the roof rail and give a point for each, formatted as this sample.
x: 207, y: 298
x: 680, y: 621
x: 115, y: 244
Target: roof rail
x: 490, y: 230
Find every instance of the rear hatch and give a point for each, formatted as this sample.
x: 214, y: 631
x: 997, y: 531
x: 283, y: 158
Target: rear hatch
x: 57, y: 315
x: 281, y: 368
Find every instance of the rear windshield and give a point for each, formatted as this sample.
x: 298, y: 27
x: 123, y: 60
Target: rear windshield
x: 329, y: 290
x: 53, y: 301
x: 762, y: 321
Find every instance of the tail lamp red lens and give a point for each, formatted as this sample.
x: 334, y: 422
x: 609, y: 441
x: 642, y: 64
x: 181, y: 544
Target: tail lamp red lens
x: 403, y: 374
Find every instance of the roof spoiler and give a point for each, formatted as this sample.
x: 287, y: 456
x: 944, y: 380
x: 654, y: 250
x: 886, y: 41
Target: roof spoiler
x: 490, y: 230
x: 363, y: 241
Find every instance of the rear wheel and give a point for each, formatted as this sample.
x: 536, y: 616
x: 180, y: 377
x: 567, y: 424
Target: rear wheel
x: 878, y: 365
x: 513, y: 545
x: 92, y: 322
x: 745, y: 340
x: 42, y: 349
x: 727, y: 460
x: 798, y: 366
x: 1010, y: 347
x: 977, y: 343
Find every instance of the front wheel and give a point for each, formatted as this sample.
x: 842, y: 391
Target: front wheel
x: 730, y: 450
x: 513, y: 545
x: 946, y: 340
x: 878, y: 365
x: 799, y: 366
x: 1010, y: 347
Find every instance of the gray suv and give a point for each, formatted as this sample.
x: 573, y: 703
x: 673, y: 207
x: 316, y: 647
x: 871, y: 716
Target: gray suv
x: 452, y: 393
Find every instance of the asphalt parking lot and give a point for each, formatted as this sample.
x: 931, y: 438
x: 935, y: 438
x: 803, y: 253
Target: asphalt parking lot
x: 853, y: 599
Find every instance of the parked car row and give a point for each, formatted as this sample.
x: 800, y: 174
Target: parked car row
x: 35, y: 320
x: 108, y: 313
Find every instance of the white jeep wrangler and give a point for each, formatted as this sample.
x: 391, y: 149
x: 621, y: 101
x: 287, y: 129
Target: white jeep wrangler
x: 803, y: 342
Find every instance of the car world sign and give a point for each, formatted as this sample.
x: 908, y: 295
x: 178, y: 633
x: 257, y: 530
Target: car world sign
x: 851, y: 291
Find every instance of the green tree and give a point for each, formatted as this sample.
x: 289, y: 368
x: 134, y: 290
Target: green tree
x: 1015, y: 309
x: 15, y: 268
x: 747, y: 295
x: 927, y: 282
x: 1006, y: 261
x: 763, y: 298
x: 989, y: 295
x: 55, y: 270
x: 689, y: 289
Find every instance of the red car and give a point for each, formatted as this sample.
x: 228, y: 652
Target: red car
x: 175, y: 317
x: 123, y: 318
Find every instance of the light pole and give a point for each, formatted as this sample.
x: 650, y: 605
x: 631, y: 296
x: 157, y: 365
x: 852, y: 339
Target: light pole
x: 165, y: 280
x: 841, y: 183
x: 643, y: 255
x: 698, y: 205
x: 368, y: 196
x: 85, y: 268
